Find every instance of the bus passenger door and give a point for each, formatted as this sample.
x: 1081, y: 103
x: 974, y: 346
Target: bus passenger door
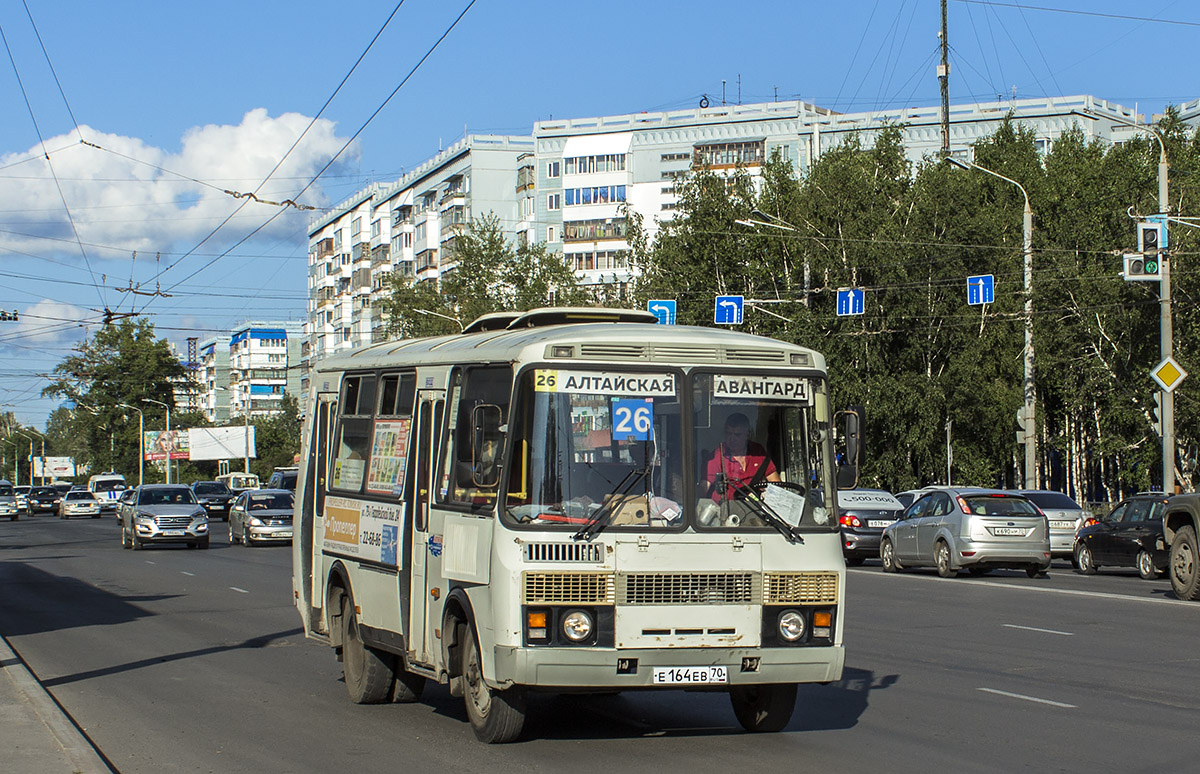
x: 425, y: 549
x: 310, y: 530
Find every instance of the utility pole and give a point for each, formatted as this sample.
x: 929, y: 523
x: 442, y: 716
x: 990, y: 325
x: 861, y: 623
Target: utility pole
x: 944, y: 77
x: 1164, y: 325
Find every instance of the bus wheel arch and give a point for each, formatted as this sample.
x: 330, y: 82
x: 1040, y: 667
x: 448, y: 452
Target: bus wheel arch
x: 457, y: 616
x: 336, y: 587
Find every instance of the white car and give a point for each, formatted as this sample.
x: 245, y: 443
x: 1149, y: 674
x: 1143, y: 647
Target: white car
x: 79, y: 502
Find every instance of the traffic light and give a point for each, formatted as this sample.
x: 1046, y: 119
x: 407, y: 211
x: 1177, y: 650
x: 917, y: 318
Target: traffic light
x: 1157, y: 424
x: 1022, y: 427
x: 1146, y: 263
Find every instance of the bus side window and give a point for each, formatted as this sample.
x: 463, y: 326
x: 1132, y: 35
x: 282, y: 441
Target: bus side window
x: 353, y: 437
x: 479, y: 405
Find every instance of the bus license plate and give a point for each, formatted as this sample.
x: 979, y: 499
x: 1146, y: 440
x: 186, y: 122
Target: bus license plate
x: 690, y: 675
x: 174, y: 532
x: 1008, y: 531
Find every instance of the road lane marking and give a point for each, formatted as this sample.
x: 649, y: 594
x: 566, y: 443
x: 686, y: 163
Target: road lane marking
x: 999, y: 585
x: 185, y: 572
x: 150, y: 562
x: 1035, y: 629
x: 1023, y: 697
x: 242, y: 591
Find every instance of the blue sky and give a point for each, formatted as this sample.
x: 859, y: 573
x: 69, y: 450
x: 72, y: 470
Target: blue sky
x: 187, y: 101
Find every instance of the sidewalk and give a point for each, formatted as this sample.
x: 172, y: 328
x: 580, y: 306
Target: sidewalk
x: 36, y: 736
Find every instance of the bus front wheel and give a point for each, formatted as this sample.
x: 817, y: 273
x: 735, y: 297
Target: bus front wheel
x: 763, y: 708
x: 496, y: 716
x: 368, y: 674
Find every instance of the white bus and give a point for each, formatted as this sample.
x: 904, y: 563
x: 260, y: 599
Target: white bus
x: 551, y: 501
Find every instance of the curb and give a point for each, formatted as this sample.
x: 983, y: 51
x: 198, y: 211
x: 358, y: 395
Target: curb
x: 76, y: 750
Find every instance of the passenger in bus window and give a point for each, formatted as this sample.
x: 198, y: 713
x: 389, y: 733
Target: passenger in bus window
x: 738, y: 462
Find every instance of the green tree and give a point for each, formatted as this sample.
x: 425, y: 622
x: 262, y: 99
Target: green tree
x: 124, y: 363
x: 484, y: 273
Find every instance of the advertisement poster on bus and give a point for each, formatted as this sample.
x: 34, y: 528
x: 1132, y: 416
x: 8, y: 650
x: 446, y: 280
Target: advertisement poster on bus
x: 367, y: 531
x: 161, y: 445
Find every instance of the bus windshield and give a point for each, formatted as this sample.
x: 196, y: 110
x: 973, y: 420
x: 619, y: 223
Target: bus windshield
x: 597, y: 441
x: 761, y: 441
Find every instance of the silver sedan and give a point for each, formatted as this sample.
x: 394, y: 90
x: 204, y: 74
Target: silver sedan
x: 261, y: 516
x: 163, y: 513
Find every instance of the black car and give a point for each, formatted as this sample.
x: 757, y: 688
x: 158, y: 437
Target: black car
x: 42, y: 498
x: 863, y: 514
x: 1130, y: 536
x: 284, y: 478
x: 215, y: 497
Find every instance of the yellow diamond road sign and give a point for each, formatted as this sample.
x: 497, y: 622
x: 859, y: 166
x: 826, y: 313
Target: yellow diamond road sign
x: 1168, y: 374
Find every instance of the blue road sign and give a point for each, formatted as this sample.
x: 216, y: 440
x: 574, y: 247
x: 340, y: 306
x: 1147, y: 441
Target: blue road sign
x: 663, y: 310
x: 728, y: 310
x: 981, y: 289
x: 851, y: 301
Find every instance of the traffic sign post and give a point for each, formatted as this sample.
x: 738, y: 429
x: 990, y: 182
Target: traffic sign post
x: 981, y: 289
x: 728, y: 310
x: 851, y: 301
x: 664, y: 310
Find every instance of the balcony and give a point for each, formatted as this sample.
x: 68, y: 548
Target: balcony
x: 325, y: 248
x: 380, y: 255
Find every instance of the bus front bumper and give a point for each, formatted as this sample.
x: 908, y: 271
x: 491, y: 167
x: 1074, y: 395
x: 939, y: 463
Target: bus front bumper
x: 608, y: 669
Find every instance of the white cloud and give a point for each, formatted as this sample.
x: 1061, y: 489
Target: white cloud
x: 136, y: 205
x: 48, y: 323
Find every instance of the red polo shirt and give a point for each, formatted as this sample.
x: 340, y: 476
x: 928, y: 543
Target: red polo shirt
x: 722, y: 462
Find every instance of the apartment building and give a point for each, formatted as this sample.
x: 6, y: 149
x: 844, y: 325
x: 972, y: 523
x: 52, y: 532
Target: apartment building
x: 213, y: 372
x: 407, y: 228
x: 259, y: 374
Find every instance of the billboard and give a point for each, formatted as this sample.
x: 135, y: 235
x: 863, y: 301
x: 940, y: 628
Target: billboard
x: 54, y: 467
x: 221, y: 443
x: 161, y: 445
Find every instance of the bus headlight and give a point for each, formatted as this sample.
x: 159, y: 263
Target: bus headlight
x: 578, y: 625
x: 791, y: 626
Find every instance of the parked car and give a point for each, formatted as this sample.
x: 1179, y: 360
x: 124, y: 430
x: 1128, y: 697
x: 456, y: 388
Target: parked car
x: 863, y: 514
x: 1131, y: 536
x: 1066, y: 518
x: 164, y: 513
x: 261, y: 516
x: 42, y: 499
x: 78, y: 502
x: 22, y: 494
x: 975, y: 529
x: 215, y: 496
x: 8, y: 501
x: 284, y: 478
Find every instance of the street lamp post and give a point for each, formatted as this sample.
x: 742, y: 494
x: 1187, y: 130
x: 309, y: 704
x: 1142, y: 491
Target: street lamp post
x: 168, y: 431
x: 141, y: 439
x: 1029, y: 425
x: 42, y: 438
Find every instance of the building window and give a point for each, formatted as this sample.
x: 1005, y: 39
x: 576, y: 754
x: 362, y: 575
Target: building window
x: 730, y: 154
x: 355, y: 227
x: 376, y: 228
x: 584, y: 165
x: 590, y: 230
x: 554, y: 201
x: 552, y: 169
x: 602, y: 194
x: 676, y: 157
x: 550, y: 235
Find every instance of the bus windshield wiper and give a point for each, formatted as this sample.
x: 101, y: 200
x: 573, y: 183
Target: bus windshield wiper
x: 754, y: 500
x: 599, y: 520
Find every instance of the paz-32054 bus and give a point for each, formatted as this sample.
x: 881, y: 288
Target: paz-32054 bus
x: 574, y: 500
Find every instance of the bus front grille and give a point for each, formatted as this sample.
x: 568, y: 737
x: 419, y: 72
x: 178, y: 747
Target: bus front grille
x: 716, y: 588
x: 815, y: 588
x: 546, y: 588
x: 589, y: 553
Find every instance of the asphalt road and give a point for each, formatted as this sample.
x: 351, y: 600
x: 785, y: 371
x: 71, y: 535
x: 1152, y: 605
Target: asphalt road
x: 177, y: 660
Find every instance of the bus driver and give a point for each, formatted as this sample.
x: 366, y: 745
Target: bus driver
x: 738, y: 462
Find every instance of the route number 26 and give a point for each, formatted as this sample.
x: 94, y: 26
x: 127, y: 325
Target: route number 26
x: 632, y: 419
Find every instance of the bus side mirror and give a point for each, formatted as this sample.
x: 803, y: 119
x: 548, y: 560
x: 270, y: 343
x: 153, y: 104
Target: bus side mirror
x: 849, y: 423
x: 485, y: 445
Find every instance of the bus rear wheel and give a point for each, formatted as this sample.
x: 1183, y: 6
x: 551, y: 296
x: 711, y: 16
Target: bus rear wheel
x: 368, y: 673
x: 496, y: 716
x: 763, y: 708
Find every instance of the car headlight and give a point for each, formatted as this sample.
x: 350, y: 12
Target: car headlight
x: 255, y: 521
x: 146, y: 516
x: 791, y: 625
x: 577, y: 625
